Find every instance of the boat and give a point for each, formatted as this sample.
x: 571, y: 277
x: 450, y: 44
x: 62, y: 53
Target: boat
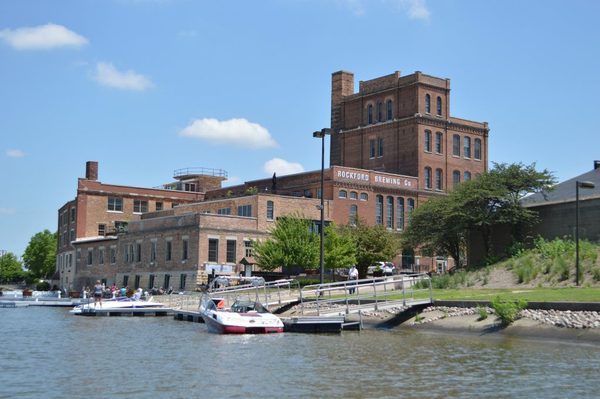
x: 243, y: 317
x: 116, y: 304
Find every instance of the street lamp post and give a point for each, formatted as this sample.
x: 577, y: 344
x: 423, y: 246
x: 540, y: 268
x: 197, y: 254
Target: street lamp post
x: 578, y: 184
x: 321, y: 134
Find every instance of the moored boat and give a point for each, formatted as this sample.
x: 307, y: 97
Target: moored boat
x: 243, y: 317
x: 116, y: 304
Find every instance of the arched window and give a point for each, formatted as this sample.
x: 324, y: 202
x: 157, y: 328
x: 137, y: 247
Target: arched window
x: 364, y: 196
x: 427, y: 103
x: 439, y: 105
x: 390, y: 112
x: 270, y: 210
x: 456, y: 145
x: 439, y: 148
x: 467, y: 176
x: 389, y: 212
x: 400, y: 213
x: 343, y: 194
x: 455, y: 177
x: 427, y: 177
x: 379, y: 112
x: 438, y: 179
x: 467, y: 150
x: 353, y: 195
x: 477, y: 149
x: 379, y: 209
x: 427, y: 140
x: 352, y: 218
x: 370, y: 114
x: 410, y: 207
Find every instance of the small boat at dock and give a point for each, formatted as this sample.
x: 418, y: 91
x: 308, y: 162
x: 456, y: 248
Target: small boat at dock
x: 243, y: 317
x: 120, y: 303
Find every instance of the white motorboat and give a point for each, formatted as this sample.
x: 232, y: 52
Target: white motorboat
x: 243, y: 317
x: 115, y: 304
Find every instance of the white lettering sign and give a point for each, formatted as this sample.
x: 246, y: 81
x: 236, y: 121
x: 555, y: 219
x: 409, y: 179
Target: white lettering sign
x: 353, y: 175
x: 396, y: 181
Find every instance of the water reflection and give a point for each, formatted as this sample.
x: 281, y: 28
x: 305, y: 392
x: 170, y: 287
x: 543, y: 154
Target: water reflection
x: 54, y: 354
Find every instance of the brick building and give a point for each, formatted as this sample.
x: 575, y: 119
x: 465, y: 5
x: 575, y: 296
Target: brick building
x: 393, y: 145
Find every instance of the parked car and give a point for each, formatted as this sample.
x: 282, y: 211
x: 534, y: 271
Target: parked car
x: 387, y: 268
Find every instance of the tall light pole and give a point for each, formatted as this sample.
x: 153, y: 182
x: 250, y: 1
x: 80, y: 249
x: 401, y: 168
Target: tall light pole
x: 578, y: 184
x: 321, y: 134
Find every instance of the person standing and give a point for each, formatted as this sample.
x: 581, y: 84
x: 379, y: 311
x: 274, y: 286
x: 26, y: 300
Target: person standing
x: 352, y: 275
x: 98, y: 291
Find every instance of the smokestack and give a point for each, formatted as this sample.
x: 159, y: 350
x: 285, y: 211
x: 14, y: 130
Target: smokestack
x: 91, y: 170
x: 596, y: 165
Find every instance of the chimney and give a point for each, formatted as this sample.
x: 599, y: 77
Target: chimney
x: 596, y: 165
x: 91, y: 170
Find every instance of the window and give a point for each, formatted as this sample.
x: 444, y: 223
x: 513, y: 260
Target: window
x: 159, y: 206
x: 129, y: 254
x: 101, y: 256
x: 102, y: 230
x: 439, y: 105
x: 270, y: 207
x: 456, y: 145
x: 182, y: 279
x: 72, y: 215
x: 389, y: 213
x: 115, y: 204
x: 137, y: 281
x: 455, y: 178
x: 231, y: 250
x: 343, y: 194
x: 370, y: 114
x: 353, y: 215
x: 152, y: 251
x: 438, y: 143
x: 224, y: 211
x: 245, y: 210
x: 72, y: 235
x: 467, y: 176
x: 125, y: 281
x: 400, y: 213
x: 113, y: 255
x: 428, y: 177
x: 477, y: 149
x: 379, y: 147
x: 364, y: 196
x: 151, y: 281
x: 427, y: 141
x: 467, y: 143
x: 184, y: 249
x: 213, y: 250
x: 379, y: 209
x: 379, y: 112
x: 353, y: 195
x: 138, y: 252
x: 168, y: 251
x: 410, y: 207
x: 438, y: 179
x: 90, y: 256
x: 427, y: 103
x: 390, y: 112
x: 78, y: 255
x: 121, y: 227
x: 372, y: 148
x: 248, y: 248
x: 140, y: 206
x: 167, y: 281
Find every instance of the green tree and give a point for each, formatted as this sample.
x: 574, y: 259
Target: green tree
x: 40, y: 254
x: 373, y: 244
x: 292, y: 243
x: 340, y: 247
x: 10, y: 268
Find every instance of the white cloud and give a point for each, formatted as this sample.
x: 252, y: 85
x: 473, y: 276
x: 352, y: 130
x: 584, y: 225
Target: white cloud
x: 416, y: 9
x: 282, y: 167
x: 108, y: 75
x: 356, y: 7
x: 238, y: 132
x: 14, y: 153
x: 7, y: 211
x: 42, y: 37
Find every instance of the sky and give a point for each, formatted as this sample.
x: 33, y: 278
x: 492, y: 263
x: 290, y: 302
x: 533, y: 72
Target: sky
x: 145, y: 87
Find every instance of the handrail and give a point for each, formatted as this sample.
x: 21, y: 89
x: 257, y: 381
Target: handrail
x: 199, y: 171
x: 264, y: 293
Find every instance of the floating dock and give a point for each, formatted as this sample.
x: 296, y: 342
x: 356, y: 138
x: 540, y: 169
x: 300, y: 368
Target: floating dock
x: 131, y: 312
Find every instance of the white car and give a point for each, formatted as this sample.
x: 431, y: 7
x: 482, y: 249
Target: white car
x: 387, y: 268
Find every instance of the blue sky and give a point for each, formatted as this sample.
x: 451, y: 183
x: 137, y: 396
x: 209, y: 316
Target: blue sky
x: 148, y: 86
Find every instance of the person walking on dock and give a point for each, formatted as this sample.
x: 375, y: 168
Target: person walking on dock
x: 352, y: 275
x: 98, y: 291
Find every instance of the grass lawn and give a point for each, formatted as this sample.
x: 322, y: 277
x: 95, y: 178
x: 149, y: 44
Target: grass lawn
x: 529, y: 294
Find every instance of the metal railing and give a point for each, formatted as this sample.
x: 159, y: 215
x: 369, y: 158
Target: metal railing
x: 199, y: 171
x: 360, y: 295
x: 279, y: 292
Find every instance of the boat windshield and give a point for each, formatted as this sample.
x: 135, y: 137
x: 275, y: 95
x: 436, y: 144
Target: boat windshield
x: 247, y: 306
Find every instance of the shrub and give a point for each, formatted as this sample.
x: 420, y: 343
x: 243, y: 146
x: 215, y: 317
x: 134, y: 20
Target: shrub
x: 43, y: 286
x: 508, y: 310
x: 596, y: 274
x: 482, y: 311
x: 561, y: 269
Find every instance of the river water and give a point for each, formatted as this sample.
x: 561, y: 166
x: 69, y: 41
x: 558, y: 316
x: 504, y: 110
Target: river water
x: 48, y: 353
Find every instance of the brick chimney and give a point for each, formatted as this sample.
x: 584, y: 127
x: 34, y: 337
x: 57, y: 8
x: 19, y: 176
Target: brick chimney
x: 91, y: 170
x: 596, y: 165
